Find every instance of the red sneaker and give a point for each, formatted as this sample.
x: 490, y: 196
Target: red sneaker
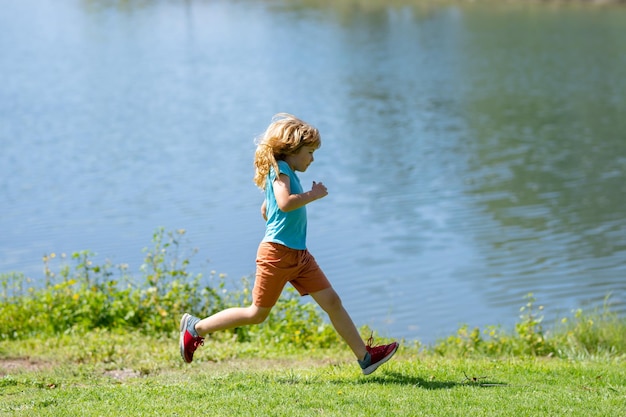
x: 189, y: 340
x: 377, y: 355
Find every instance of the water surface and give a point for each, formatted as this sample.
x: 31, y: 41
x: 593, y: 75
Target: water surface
x: 472, y: 155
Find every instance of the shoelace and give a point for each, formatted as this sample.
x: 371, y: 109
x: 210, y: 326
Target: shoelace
x: 374, y: 349
x: 197, y: 341
x: 370, y: 344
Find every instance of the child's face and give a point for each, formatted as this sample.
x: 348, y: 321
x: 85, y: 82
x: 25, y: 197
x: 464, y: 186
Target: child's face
x: 301, y: 160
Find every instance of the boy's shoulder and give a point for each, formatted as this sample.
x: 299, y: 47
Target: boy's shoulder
x: 283, y: 165
x: 284, y: 168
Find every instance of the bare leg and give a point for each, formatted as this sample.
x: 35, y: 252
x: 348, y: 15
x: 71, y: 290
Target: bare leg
x: 330, y: 302
x: 232, y: 317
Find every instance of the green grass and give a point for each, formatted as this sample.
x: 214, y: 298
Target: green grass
x: 105, y: 374
x: 94, y: 340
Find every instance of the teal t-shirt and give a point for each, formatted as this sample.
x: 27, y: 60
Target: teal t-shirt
x: 286, y: 228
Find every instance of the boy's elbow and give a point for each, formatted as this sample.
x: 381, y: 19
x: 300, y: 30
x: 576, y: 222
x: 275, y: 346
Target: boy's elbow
x: 283, y: 205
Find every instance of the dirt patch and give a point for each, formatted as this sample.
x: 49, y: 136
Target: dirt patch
x: 12, y: 365
x: 122, y: 374
x: 15, y: 365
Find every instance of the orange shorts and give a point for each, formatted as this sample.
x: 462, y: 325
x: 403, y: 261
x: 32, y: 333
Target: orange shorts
x: 276, y: 265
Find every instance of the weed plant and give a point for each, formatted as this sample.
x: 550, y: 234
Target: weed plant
x: 583, y: 336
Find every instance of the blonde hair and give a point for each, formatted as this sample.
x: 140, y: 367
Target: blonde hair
x: 284, y: 136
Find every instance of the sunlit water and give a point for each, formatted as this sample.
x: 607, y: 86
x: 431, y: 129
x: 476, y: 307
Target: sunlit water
x: 472, y: 155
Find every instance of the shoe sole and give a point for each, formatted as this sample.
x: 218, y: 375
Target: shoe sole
x: 181, y: 339
x: 375, y: 366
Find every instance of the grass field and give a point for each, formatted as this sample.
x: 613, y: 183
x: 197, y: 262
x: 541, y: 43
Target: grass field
x: 95, y: 341
x: 104, y: 374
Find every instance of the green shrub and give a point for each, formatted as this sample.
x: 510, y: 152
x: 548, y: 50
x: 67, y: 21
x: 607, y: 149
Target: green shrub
x: 81, y: 296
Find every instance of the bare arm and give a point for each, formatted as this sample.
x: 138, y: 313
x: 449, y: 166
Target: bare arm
x: 264, y: 210
x: 288, y: 202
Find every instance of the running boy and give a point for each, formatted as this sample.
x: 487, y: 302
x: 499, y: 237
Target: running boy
x: 286, y: 146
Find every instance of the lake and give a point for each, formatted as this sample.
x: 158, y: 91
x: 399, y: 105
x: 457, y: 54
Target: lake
x: 473, y: 154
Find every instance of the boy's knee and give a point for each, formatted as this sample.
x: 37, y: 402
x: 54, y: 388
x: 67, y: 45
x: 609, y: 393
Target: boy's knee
x: 257, y: 319
x: 331, y: 302
x: 258, y: 314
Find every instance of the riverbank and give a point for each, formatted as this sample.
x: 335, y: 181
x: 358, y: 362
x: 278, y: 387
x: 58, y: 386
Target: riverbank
x: 84, y: 296
x: 88, y: 343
